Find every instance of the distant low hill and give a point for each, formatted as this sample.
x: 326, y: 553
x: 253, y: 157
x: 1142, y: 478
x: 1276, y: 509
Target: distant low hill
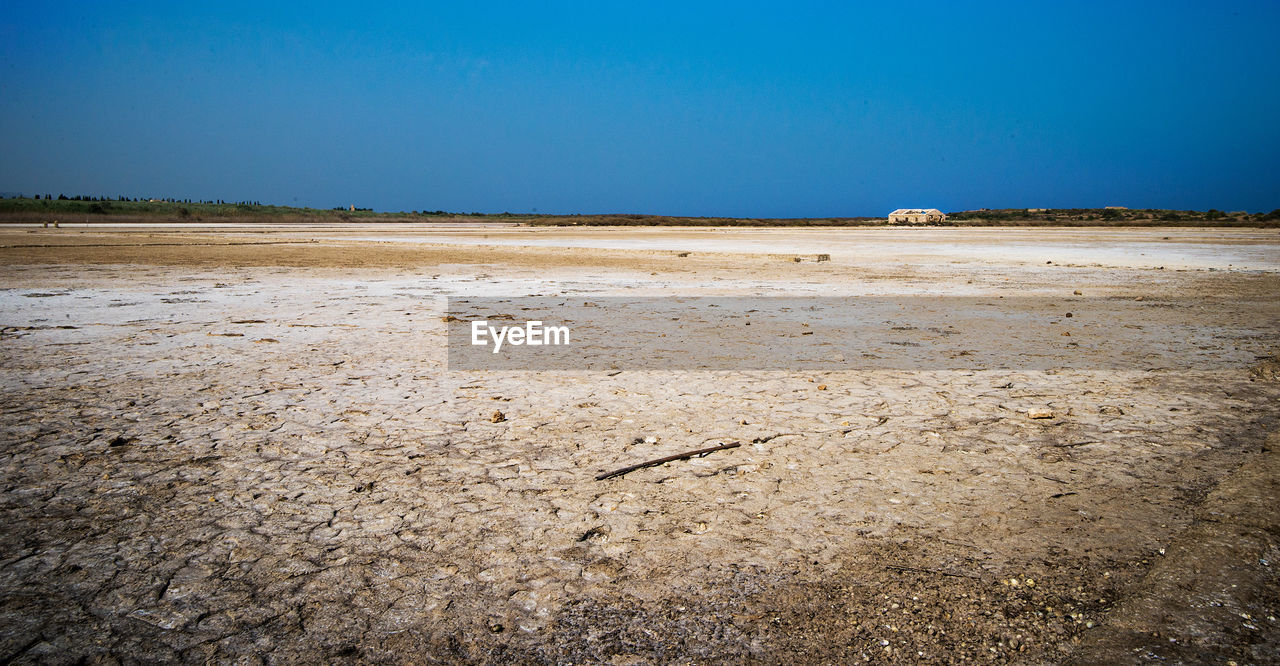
x: 85, y: 209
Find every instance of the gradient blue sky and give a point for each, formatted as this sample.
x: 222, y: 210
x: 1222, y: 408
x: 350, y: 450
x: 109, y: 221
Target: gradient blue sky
x: 687, y: 108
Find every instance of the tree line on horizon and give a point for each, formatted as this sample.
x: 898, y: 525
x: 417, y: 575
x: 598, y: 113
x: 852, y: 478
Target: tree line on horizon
x: 1105, y: 215
x: 185, y: 208
x: 122, y: 198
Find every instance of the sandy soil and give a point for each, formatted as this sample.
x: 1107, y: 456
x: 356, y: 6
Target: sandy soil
x: 247, y: 446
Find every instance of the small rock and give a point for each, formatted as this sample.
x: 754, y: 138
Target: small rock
x: 1078, y: 292
x: 598, y: 534
x: 497, y: 417
x: 1266, y: 369
x: 1039, y: 413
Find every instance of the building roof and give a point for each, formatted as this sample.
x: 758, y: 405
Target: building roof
x: 916, y: 211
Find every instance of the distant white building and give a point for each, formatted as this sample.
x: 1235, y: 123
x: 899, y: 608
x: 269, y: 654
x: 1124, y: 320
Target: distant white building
x: 916, y: 216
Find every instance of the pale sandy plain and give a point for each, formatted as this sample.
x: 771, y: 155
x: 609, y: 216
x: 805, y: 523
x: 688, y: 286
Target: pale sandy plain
x: 242, y: 444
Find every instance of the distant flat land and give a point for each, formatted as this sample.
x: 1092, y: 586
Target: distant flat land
x: 99, y: 211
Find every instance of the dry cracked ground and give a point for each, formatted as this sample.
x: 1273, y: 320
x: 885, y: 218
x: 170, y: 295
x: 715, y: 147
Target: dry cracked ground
x: 248, y: 447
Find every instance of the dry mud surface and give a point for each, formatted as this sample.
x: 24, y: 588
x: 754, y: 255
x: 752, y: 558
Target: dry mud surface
x: 234, y: 446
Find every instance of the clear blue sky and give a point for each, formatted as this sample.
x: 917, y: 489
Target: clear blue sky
x: 733, y: 108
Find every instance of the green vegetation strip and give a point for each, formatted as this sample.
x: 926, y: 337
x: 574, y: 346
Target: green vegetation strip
x: 79, y: 209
